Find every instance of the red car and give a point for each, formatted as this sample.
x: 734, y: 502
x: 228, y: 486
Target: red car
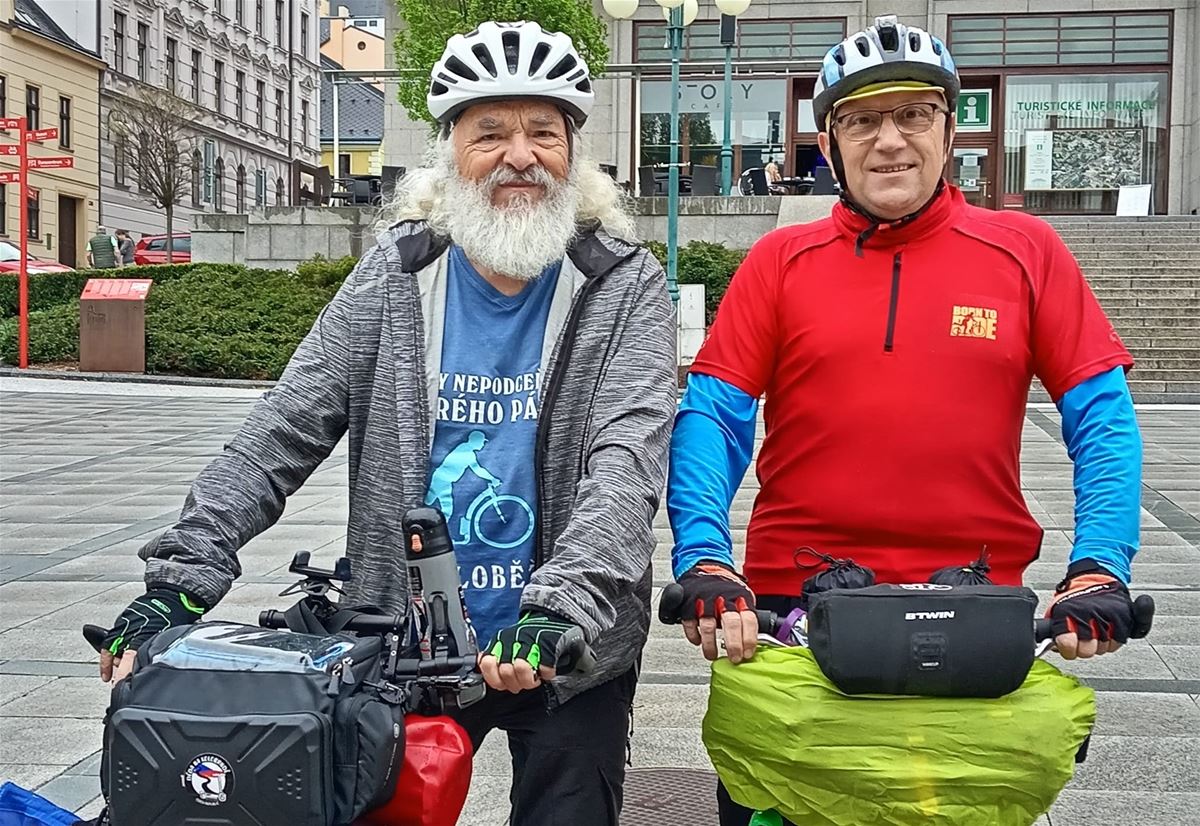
x: 10, y: 260
x: 152, y: 249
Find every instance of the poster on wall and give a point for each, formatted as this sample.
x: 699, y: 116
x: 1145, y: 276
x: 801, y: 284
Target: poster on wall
x: 1097, y: 158
x: 1083, y: 159
x: 1039, y: 156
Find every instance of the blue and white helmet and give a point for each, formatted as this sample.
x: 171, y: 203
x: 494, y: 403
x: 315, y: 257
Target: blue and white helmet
x: 885, y: 53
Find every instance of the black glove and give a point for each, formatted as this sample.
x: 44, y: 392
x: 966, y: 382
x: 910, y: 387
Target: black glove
x: 1092, y: 603
x: 711, y: 589
x: 537, y: 638
x: 156, y: 610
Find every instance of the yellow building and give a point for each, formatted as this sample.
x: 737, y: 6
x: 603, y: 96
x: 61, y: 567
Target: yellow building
x: 359, y: 125
x: 53, y: 81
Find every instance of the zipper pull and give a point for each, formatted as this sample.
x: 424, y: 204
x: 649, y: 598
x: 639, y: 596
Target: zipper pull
x: 347, y: 672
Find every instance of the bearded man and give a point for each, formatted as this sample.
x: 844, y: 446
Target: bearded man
x: 508, y: 354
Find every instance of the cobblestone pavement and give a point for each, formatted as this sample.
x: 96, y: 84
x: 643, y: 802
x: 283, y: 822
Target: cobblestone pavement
x: 90, y: 472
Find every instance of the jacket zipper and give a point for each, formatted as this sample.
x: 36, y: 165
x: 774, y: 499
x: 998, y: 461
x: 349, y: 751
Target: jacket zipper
x: 889, y: 339
x: 553, y: 384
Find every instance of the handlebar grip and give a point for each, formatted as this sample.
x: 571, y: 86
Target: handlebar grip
x: 574, y: 654
x: 95, y: 635
x: 1042, y: 629
x: 1143, y: 616
x: 1143, y: 620
x: 670, y: 610
x: 271, y: 618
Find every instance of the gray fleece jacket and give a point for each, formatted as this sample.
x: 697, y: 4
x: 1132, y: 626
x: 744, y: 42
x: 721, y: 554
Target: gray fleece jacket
x: 369, y: 368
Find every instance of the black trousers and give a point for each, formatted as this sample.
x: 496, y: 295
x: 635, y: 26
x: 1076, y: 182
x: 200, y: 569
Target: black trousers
x: 730, y: 813
x: 569, y: 763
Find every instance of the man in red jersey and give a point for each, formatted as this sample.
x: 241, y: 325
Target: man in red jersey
x: 895, y: 343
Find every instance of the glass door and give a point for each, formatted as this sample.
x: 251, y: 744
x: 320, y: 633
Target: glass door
x: 973, y: 170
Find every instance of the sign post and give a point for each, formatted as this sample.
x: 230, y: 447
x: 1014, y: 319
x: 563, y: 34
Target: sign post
x: 20, y: 151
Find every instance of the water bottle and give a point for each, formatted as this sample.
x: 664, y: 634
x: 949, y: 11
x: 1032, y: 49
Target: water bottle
x: 435, y: 585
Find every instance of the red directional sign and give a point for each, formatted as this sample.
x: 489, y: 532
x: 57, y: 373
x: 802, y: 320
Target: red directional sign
x: 10, y: 177
x: 10, y: 149
x: 39, y: 135
x: 61, y: 162
x: 10, y: 123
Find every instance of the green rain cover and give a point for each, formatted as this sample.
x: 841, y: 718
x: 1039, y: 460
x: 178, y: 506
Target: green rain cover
x: 782, y: 737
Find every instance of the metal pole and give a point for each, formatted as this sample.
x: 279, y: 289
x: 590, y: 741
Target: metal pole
x: 675, y: 33
x: 333, y: 167
x: 727, y: 142
x: 23, y: 263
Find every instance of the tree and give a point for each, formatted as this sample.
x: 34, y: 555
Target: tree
x: 153, y: 130
x: 432, y: 22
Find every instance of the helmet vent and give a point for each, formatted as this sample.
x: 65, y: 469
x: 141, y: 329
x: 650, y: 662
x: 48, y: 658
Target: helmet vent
x: 485, y: 58
x: 914, y: 42
x: 864, y: 48
x: 937, y: 46
x: 539, y: 55
x: 447, y: 78
x: 562, y: 67
x: 839, y: 55
x: 584, y: 86
x: 889, y: 38
x: 461, y: 69
x: 437, y: 88
x: 512, y: 50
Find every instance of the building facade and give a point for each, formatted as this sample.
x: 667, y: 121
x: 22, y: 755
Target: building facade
x: 248, y: 68
x: 1065, y: 102
x: 53, y: 81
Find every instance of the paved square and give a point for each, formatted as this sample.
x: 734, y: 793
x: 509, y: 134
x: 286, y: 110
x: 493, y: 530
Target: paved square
x: 89, y: 472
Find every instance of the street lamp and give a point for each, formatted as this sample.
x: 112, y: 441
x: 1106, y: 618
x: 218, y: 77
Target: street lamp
x: 678, y: 13
x: 729, y: 9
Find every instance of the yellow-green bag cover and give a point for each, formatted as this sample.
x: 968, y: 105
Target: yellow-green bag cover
x: 781, y: 736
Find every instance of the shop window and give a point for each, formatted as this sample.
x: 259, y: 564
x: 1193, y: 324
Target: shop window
x: 756, y: 121
x: 1060, y: 40
x: 757, y: 40
x: 1071, y: 141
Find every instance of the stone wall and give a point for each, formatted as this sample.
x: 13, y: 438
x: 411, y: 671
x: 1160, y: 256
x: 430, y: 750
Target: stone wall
x: 281, y: 237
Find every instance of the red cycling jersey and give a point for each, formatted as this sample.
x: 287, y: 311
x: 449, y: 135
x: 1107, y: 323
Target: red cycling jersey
x: 896, y: 382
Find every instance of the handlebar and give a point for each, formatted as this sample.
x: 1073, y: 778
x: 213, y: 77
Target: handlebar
x: 574, y: 655
x: 671, y: 603
x: 362, y: 623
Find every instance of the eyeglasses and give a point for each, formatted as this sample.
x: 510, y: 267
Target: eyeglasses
x: 910, y: 119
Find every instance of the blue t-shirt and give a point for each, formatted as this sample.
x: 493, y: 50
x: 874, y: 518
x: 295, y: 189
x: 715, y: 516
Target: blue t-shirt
x: 482, y: 476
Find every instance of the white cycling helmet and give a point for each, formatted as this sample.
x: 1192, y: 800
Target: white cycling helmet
x: 887, y: 52
x: 502, y: 61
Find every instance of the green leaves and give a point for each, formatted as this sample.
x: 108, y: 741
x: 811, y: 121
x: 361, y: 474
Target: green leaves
x: 701, y: 262
x: 430, y: 23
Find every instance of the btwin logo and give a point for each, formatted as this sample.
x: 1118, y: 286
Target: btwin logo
x: 928, y: 615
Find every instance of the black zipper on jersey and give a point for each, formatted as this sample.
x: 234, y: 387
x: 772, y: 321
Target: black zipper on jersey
x: 889, y: 339
x: 552, y: 387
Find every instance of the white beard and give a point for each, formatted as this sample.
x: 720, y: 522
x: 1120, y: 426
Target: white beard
x: 518, y: 240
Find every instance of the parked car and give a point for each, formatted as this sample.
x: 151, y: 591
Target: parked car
x: 10, y: 260
x: 152, y: 249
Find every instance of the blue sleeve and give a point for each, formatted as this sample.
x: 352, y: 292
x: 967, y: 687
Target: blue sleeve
x: 710, y: 451
x: 1103, y: 440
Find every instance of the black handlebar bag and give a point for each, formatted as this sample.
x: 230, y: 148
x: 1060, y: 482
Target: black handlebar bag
x: 924, y: 639
x: 224, y: 724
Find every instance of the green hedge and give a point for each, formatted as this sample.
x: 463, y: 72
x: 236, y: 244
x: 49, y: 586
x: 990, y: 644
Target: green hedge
x: 52, y: 289
x: 704, y: 263
x: 231, y: 324
x: 228, y: 321
x: 210, y: 320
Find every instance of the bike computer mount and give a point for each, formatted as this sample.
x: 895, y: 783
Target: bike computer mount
x: 317, y: 582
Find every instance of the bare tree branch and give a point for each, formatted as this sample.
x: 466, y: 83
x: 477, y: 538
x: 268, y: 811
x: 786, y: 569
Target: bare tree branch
x: 154, y: 131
